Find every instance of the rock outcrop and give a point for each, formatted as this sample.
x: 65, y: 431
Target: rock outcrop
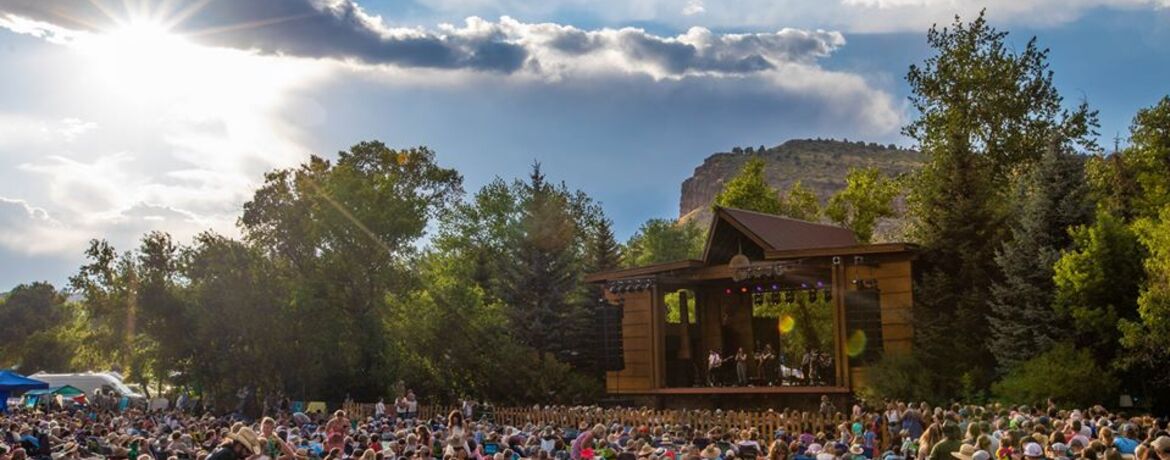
x: 819, y: 164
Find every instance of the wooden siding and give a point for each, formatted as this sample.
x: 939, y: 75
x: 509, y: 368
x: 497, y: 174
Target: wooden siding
x: 638, y: 345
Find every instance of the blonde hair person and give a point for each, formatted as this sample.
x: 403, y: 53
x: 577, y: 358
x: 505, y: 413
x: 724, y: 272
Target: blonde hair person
x: 927, y: 440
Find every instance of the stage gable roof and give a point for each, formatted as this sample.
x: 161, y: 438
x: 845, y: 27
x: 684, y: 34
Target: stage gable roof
x: 760, y: 237
x: 756, y: 234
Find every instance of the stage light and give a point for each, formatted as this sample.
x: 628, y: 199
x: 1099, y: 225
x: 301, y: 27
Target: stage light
x: 759, y: 288
x: 727, y: 291
x: 775, y: 287
x: 820, y: 284
x: 804, y: 285
x: 743, y: 289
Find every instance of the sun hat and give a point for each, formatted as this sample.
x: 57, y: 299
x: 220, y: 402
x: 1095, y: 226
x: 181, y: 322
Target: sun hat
x: 856, y: 449
x: 814, y: 449
x: 710, y: 452
x: 645, y: 451
x: 248, y: 438
x: 981, y: 455
x: 966, y: 451
x: 826, y: 456
x: 1033, y: 450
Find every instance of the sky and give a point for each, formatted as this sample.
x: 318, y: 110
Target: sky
x: 119, y: 117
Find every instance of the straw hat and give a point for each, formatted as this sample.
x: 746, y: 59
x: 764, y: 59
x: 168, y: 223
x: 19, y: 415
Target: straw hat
x: 710, y: 452
x: 248, y: 438
x: 965, y: 452
x: 645, y: 451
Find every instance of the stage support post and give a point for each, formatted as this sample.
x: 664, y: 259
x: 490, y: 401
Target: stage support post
x: 684, y: 349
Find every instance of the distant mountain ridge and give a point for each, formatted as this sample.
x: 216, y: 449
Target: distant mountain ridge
x: 820, y: 164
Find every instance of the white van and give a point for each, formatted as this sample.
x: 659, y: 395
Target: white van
x: 90, y: 382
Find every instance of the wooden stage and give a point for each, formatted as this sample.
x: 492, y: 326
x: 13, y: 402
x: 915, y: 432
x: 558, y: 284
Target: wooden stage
x: 792, y: 390
x: 735, y: 398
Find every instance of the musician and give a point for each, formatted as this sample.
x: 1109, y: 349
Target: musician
x: 741, y: 366
x: 809, y: 363
x: 713, y: 362
x: 762, y: 358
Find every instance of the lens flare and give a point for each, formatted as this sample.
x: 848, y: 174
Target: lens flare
x: 855, y: 344
x: 786, y: 324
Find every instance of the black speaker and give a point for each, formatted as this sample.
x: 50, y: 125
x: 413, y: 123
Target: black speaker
x: 612, y: 356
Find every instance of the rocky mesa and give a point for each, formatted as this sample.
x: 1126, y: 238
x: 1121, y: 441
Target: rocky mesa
x: 821, y: 164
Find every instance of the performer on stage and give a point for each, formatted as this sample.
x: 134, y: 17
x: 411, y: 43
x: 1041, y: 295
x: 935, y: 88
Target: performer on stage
x: 762, y: 358
x: 741, y: 366
x: 713, y: 363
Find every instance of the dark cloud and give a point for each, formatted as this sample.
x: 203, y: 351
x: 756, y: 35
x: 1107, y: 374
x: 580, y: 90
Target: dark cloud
x: 306, y: 28
x: 340, y: 29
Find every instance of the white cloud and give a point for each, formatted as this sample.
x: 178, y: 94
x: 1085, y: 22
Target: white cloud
x: 693, y: 7
x: 71, y: 128
x: 845, y: 15
x: 30, y: 230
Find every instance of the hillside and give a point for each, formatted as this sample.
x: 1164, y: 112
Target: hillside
x: 819, y: 164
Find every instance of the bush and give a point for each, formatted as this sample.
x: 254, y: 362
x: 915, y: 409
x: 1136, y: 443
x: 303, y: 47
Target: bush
x: 899, y: 377
x: 1064, y: 374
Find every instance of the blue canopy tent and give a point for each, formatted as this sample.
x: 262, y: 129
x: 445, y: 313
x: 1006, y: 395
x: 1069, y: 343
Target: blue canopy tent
x: 11, y: 382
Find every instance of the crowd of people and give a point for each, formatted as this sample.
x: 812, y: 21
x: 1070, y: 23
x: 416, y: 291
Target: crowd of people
x: 895, y: 431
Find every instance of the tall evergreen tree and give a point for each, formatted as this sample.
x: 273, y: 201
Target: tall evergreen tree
x: 539, y: 280
x: 1052, y: 198
x: 986, y: 112
x: 602, y: 252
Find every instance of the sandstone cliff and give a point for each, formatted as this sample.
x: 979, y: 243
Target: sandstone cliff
x: 819, y: 164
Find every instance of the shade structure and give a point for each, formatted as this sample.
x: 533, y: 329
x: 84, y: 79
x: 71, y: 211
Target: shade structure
x: 11, y: 382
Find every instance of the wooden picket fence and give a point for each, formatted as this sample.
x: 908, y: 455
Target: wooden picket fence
x: 766, y: 422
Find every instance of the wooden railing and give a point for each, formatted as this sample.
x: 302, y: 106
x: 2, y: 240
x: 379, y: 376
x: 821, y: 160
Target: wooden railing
x: 766, y: 422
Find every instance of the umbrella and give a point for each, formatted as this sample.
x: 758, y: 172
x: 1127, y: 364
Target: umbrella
x: 11, y: 382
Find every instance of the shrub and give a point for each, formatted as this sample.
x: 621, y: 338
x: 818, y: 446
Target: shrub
x: 1064, y: 373
x: 898, y: 377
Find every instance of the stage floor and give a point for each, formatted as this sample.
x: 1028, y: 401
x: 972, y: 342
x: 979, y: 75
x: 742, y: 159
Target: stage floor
x: 791, y: 390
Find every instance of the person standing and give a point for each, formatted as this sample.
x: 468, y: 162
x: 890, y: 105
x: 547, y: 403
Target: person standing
x: 741, y: 366
x: 713, y: 363
x: 380, y: 409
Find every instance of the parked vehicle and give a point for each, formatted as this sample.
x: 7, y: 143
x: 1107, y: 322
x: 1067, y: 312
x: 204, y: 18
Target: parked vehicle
x: 90, y: 382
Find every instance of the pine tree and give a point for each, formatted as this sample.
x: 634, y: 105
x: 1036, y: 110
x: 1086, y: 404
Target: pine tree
x: 540, y: 278
x: 1052, y: 198
x: 603, y: 251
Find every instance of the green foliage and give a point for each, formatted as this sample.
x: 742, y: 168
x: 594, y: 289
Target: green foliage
x: 539, y: 280
x: 1049, y: 199
x: 31, y: 339
x: 1149, y: 151
x: 800, y: 202
x: 986, y: 113
x: 674, y: 308
x: 1097, y: 282
x: 1067, y: 375
x: 900, y: 377
x: 1147, y: 339
x: 868, y: 196
x: 663, y: 240
x: 750, y: 190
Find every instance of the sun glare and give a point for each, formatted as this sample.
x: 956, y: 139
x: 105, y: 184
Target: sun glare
x: 145, y: 65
